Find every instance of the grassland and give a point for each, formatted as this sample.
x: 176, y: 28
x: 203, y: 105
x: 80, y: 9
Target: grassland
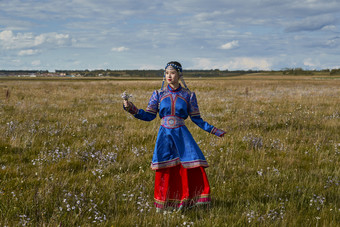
x: 70, y: 156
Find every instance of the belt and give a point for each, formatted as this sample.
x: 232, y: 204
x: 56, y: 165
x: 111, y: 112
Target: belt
x: 172, y: 122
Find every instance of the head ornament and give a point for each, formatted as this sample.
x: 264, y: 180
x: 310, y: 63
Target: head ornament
x: 173, y: 66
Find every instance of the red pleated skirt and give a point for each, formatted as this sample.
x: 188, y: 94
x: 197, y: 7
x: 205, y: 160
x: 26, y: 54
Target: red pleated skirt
x: 178, y: 187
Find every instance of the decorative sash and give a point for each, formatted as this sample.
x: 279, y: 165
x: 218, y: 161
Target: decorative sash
x: 172, y: 122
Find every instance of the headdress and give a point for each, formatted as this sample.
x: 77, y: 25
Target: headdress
x: 174, y: 66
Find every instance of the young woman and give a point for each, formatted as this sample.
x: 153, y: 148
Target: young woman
x: 179, y: 163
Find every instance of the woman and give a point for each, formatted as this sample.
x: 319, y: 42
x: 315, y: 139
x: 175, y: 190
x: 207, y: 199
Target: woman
x: 179, y: 163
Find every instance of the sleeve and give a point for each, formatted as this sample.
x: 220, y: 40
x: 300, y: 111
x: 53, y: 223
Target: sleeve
x: 197, y: 119
x: 151, y: 111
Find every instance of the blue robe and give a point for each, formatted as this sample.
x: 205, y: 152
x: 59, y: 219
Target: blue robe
x: 175, y: 144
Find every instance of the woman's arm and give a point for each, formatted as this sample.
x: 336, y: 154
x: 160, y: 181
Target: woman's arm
x: 151, y: 110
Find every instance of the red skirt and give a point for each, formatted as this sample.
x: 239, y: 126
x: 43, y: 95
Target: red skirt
x: 177, y: 187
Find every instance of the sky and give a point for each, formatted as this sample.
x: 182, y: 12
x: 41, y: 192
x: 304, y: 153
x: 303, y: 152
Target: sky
x: 200, y: 34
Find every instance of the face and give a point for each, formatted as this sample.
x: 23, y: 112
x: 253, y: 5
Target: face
x: 171, y: 76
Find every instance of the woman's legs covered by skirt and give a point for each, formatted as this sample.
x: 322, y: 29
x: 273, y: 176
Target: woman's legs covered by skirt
x: 178, y: 188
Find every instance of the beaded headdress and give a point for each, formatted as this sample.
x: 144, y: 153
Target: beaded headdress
x: 173, y: 66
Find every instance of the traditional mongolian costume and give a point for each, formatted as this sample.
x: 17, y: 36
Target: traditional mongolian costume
x: 179, y: 163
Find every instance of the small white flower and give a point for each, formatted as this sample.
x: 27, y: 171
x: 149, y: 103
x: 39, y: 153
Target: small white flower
x: 126, y: 95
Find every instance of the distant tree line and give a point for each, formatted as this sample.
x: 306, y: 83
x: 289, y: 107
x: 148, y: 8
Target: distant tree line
x: 22, y: 72
x: 108, y: 72
x: 300, y: 71
x: 296, y: 71
x: 157, y: 73
x: 335, y: 72
x: 153, y: 73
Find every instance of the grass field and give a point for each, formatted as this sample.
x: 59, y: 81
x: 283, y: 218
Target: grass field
x: 70, y: 155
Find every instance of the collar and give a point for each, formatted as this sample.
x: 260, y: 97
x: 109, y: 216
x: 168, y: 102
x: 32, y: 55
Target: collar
x: 173, y: 90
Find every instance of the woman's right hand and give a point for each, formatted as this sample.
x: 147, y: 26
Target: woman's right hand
x: 126, y: 103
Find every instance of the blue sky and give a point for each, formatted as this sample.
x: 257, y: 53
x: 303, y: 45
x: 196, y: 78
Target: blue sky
x: 130, y: 34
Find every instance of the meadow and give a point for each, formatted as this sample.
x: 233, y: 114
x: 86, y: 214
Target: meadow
x: 71, y: 156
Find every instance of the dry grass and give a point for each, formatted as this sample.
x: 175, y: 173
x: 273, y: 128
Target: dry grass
x: 70, y: 155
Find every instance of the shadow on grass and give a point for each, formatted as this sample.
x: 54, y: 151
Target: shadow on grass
x: 221, y: 204
x: 215, y: 205
x: 8, y: 149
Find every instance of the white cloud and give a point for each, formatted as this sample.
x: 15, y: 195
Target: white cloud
x: 204, y: 63
x: 149, y: 66
x: 239, y: 63
x: 249, y: 63
x: 230, y: 45
x: 29, y: 40
x: 330, y: 28
x: 28, y: 52
x: 36, y: 63
x: 119, y: 49
x: 12, y: 41
x: 6, y: 35
x: 310, y: 63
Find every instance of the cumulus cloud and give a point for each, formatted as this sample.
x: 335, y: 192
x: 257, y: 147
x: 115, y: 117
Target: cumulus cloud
x: 6, y: 35
x: 10, y: 40
x: 119, y: 49
x: 230, y: 45
x: 28, y: 52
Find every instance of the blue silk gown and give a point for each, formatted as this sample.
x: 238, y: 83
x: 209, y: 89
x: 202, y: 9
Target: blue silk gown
x: 175, y: 144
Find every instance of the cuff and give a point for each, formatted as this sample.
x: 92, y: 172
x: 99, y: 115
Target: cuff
x: 217, y: 132
x: 132, y: 109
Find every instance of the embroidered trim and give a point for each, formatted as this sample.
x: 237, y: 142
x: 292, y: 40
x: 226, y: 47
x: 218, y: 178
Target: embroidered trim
x: 172, y: 122
x: 194, y: 164
x: 217, y: 132
x: 194, y: 114
x: 176, y: 161
x: 165, y: 164
x: 213, y: 130
x: 132, y: 109
x: 153, y: 103
x: 149, y: 110
x: 165, y: 96
x: 193, y: 110
x: 174, y: 90
x: 179, y: 204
